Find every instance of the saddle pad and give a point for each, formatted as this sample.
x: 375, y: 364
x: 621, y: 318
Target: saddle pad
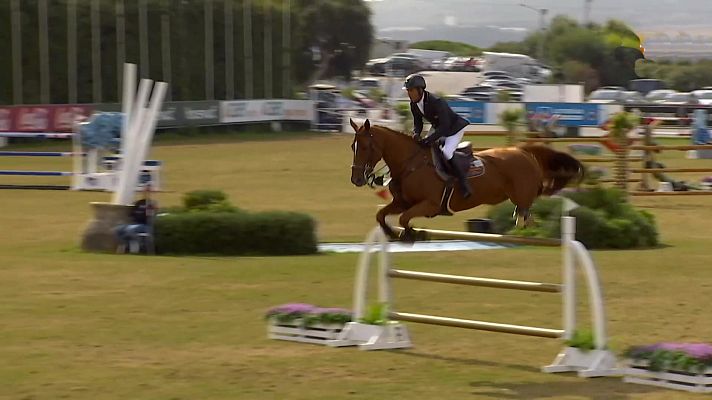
x: 477, y: 168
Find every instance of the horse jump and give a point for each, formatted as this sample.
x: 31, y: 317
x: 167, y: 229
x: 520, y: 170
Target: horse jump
x: 394, y: 335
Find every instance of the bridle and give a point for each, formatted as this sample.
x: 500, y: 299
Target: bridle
x: 367, y: 167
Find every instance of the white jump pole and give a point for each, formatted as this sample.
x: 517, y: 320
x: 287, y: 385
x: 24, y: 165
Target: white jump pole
x: 568, y: 274
x: 139, y: 150
x: 138, y: 114
x: 127, y: 103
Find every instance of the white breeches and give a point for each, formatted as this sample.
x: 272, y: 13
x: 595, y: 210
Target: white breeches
x: 451, y: 143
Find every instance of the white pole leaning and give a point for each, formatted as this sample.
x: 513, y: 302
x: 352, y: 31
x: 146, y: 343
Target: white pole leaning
x: 145, y: 138
x: 127, y: 101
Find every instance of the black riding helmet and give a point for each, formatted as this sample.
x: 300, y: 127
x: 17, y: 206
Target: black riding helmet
x: 414, y: 81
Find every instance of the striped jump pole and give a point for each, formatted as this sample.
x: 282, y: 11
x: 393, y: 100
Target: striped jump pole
x: 40, y: 154
x: 394, y: 334
x: 36, y: 173
x: 38, y: 135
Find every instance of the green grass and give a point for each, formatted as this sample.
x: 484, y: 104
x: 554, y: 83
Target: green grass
x: 86, y: 326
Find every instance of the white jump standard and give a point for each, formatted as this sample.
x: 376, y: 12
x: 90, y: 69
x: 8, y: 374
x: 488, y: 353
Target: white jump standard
x: 394, y: 334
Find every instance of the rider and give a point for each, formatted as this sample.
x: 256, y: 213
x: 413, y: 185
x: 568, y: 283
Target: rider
x: 445, y: 123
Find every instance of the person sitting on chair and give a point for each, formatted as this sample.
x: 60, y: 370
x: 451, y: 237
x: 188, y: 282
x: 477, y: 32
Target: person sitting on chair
x: 444, y: 121
x: 141, y: 217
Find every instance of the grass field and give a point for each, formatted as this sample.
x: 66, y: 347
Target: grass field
x: 86, y: 326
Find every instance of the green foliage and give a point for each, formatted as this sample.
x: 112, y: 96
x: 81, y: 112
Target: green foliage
x: 376, y: 314
x: 679, y: 76
x: 209, y: 224
x: 692, y: 358
x: 202, y: 199
x: 456, y: 48
x: 377, y: 94
x: 348, y: 92
x: 504, y: 96
x: 403, y: 110
x: 340, y: 29
x: 511, y: 119
x: 230, y: 233
x: 313, y: 23
x: 622, y: 123
x: 307, y: 315
x: 604, y: 220
x: 589, y: 54
x: 512, y: 47
x: 574, y: 71
x: 582, y: 340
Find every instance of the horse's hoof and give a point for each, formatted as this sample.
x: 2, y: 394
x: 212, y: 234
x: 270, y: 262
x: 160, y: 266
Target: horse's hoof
x: 408, y: 236
x: 420, y: 236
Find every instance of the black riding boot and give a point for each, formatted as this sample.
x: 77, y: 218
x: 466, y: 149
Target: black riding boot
x: 461, y: 178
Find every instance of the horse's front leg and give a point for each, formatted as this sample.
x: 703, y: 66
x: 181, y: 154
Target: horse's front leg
x: 422, y: 209
x: 392, y: 208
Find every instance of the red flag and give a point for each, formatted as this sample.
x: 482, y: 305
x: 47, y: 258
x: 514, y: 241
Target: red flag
x: 385, y: 194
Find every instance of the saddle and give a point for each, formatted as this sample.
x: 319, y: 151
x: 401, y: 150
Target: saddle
x: 464, y: 158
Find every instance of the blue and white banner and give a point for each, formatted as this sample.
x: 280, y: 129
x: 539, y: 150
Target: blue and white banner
x: 473, y: 111
x: 570, y: 114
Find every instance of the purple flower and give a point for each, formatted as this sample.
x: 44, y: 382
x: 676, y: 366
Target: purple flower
x: 696, y: 350
x: 292, y: 308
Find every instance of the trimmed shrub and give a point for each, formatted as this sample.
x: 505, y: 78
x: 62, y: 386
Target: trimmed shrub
x: 231, y: 233
x: 604, y: 220
x: 202, y: 199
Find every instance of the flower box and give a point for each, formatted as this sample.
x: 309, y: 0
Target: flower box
x: 306, y: 323
x: 636, y: 371
x: 681, y: 366
x: 296, y: 332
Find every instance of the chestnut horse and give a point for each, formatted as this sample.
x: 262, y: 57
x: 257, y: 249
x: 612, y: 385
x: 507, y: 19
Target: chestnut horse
x: 520, y: 174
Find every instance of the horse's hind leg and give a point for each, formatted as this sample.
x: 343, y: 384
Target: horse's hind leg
x: 523, y: 202
x: 523, y: 217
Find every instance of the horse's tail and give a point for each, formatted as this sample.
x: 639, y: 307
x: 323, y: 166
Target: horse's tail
x: 559, y: 168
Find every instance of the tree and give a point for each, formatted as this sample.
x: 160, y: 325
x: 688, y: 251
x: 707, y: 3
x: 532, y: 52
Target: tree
x: 512, y: 47
x: 576, y: 71
x: 336, y: 35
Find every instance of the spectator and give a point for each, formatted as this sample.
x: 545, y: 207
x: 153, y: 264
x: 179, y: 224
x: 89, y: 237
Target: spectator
x: 138, y: 234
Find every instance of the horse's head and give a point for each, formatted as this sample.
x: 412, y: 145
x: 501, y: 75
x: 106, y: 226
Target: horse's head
x: 366, y: 153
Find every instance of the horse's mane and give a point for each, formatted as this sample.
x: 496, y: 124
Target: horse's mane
x: 389, y: 130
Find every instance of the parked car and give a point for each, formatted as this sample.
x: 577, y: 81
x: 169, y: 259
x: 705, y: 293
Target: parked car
x: 480, y: 93
x: 645, y: 86
x: 606, y: 96
x: 366, y: 84
x: 704, y: 96
x: 505, y: 84
x: 621, y: 88
x: 456, y: 97
x: 488, y: 74
x: 632, y: 97
x: 402, y: 66
x: 658, y: 96
x: 376, y: 66
x: 680, y: 98
x: 455, y: 63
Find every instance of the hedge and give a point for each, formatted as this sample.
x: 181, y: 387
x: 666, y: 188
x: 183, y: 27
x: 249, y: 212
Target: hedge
x: 604, y: 220
x: 236, y: 233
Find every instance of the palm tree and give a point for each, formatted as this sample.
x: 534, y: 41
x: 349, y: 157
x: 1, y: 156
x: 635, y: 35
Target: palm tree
x: 511, y: 119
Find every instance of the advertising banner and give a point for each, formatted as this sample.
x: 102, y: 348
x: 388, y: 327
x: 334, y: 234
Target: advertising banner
x: 570, y: 114
x: 473, y: 111
x: 7, y: 116
x: 266, y: 110
x: 49, y: 118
